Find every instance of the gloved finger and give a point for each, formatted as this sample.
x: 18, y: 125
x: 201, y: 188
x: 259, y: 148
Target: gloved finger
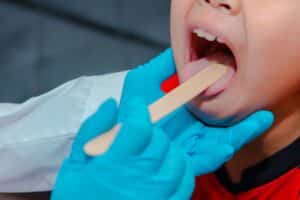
x: 136, y: 130
x: 156, y: 151
x: 161, y: 67
x: 187, y: 185
x: 189, y: 137
x: 177, y: 122
x: 150, y: 159
x: 249, y: 129
x: 211, y: 159
x: 173, y: 168
x: 101, y: 121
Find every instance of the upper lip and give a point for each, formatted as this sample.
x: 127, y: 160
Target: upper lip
x: 209, y: 29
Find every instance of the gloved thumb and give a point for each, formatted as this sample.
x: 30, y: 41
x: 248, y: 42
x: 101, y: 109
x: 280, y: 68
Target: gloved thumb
x: 101, y: 121
x: 136, y: 130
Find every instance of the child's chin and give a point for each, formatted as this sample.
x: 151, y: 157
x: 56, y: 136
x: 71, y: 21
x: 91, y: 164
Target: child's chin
x: 213, y: 119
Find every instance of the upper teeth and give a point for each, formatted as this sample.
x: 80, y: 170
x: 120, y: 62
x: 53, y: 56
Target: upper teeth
x: 208, y: 36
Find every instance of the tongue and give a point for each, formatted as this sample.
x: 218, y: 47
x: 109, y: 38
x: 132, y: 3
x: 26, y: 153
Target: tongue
x: 192, y: 68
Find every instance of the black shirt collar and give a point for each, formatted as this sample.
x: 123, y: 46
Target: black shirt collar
x: 265, y: 171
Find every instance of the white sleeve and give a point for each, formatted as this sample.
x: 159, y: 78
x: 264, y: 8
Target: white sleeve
x: 36, y: 135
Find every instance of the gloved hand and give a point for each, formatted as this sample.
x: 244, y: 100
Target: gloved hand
x: 207, y: 147
x: 141, y: 163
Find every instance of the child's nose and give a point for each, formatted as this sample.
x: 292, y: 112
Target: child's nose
x: 232, y: 6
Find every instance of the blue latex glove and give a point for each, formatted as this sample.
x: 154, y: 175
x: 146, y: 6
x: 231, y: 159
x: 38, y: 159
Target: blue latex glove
x: 141, y: 163
x: 207, y: 147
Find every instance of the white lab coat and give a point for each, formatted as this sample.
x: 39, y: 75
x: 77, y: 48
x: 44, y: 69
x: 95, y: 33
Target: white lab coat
x: 36, y: 135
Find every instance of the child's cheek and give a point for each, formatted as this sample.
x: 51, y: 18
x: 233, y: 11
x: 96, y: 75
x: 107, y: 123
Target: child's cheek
x: 272, y: 70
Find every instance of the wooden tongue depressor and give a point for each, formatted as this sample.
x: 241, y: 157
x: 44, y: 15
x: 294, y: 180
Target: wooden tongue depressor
x: 165, y: 105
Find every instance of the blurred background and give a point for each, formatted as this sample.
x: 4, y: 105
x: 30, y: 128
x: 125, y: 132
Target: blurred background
x: 44, y: 43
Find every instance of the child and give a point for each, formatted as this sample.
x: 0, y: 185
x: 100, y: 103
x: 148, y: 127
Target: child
x: 258, y: 41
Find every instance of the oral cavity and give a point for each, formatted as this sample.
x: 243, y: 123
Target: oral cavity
x: 207, y: 49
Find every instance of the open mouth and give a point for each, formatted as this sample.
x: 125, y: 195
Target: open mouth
x: 207, y: 49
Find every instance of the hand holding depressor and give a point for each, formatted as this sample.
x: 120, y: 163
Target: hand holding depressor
x: 140, y: 163
x: 163, y: 106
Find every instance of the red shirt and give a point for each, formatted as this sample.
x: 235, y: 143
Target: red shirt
x: 286, y: 187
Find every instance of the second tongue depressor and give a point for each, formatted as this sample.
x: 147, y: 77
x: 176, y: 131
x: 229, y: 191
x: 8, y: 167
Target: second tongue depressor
x: 163, y: 106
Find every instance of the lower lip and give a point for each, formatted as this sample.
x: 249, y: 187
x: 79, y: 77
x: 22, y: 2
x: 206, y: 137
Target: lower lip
x: 216, y: 88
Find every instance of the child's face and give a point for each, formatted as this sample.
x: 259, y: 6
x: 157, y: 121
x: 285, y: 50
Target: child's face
x: 264, y: 38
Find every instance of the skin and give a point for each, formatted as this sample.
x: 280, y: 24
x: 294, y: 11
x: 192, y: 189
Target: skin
x: 264, y: 36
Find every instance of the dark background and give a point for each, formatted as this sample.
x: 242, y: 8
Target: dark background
x: 44, y: 43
